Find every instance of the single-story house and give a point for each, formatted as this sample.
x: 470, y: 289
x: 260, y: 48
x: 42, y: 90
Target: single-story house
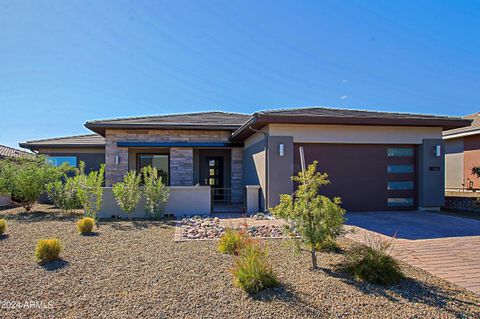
x: 375, y: 160
x: 462, y: 153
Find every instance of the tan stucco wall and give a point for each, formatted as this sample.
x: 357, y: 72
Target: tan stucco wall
x: 71, y: 150
x: 454, y: 163
x: 183, y: 200
x: 355, y: 134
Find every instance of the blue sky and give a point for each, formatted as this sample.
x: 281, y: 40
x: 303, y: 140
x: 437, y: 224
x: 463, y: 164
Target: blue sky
x: 65, y: 62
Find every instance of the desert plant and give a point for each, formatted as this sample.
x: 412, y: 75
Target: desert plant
x: 127, y: 193
x: 64, y: 195
x: 89, y: 189
x: 26, y: 178
x: 251, y: 270
x: 3, y: 226
x: 48, y: 249
x: 233, y: 241
x: 373, y: 262
x: 85, y: 225
x: 314, y: 217
x: 155, y: 192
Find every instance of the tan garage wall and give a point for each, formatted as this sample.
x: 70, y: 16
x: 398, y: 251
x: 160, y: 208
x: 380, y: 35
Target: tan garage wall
x: 355, y: 134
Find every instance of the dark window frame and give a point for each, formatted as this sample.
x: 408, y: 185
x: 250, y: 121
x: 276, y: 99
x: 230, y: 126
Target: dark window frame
x: 153, y: 154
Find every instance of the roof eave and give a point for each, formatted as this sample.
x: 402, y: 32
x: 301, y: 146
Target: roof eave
x: 34, y: 146
x: 100, y: 128
x: 260, y: 121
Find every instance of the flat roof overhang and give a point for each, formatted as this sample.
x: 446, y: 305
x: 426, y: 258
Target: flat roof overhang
x: 100, y: 128
x: 259, y: 121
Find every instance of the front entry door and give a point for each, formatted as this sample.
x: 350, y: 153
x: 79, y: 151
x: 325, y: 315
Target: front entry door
x: 214, y: 176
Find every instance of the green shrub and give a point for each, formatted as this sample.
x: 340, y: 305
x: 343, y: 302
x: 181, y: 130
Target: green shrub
x: 48, y: 249
x: 232, y: 241
x: 373, y: 263
x: 251, y: 270
x: 64, y: 195
x: 155, y: 191
x: 3, y: 226
x: 128, y: 193
x: 89, y: 189
x: 85, y: 225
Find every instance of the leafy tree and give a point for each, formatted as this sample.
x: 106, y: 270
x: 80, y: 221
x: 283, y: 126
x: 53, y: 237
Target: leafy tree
x: 89, y: 189
x: 316, y: 218
x: 156, y: 193
x: 127, y: 193
x: 26, y: 178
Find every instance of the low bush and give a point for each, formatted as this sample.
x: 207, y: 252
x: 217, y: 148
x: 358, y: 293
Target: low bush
x: 48, y: 249
x: 85, y: 225
x: 3, y: 226
x: 251, y: 270
x: 232, y: 241
x: 373, y: 263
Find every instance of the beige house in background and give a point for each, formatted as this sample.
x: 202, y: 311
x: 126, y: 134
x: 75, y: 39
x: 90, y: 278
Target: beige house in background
x: 375, y: 160
x: 462, y: 153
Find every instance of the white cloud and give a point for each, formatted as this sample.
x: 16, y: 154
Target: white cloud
x: 344, y: 81
x: 343, y: 97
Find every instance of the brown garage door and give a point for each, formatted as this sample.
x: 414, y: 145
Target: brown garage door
x: 367, y: 177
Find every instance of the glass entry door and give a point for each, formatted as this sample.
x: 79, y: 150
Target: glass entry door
x: 214, y: 176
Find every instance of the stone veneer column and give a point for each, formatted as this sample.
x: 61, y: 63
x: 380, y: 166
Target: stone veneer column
x: 181, y: 166
x: 114, y: 172
x: 237, y: 174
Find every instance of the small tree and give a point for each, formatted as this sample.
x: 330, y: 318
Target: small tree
x: 316, y: 218
x: 26, y: 178
x: 89, y: 189
x: 127, y: 193
x: 156, y: 193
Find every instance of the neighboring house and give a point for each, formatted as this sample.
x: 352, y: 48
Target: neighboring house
x: 9, y: 152
x: 462, y: 153
x: 375, y: 160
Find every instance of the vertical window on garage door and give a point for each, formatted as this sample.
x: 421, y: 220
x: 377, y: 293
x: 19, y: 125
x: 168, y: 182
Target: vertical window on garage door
x: 401, y: 172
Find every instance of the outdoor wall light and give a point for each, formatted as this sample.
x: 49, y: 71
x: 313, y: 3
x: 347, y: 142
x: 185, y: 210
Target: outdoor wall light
x: 281, y: 149
x: 117, y: 159
x: 438, y: 151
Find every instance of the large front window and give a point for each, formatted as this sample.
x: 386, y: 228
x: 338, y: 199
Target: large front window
x: 59, y: 160
x: 158, y: 161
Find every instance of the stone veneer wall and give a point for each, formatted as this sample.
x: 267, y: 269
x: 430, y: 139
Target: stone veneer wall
x: 181, y: 159
x: 237, y: 174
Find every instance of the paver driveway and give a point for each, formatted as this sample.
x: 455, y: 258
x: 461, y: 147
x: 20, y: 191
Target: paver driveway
x: 444, y: 245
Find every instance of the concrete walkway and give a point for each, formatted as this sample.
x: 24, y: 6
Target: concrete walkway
x: 444, y: 245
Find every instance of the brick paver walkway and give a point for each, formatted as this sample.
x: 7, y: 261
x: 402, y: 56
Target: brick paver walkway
x: 456, y: 259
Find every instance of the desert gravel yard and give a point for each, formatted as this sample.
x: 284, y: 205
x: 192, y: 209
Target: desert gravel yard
x: 135, y: 269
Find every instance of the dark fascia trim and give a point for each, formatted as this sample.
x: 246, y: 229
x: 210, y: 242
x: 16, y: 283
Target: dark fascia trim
x: 259, y: 121
x: 37, y: 146
x: 100, y: 128
x: 178, y: 144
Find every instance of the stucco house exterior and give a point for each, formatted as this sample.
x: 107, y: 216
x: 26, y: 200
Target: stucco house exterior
x: 375, y: 160
x: 462, y: 153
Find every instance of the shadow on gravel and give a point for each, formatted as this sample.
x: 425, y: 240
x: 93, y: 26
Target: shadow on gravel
x: 92, y: 234
x: 286, y: 294
x: 137, y: 225
x: 409, y: 289
x: 54, y: 265
x: 3, y: 237
x: 40, y: 216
